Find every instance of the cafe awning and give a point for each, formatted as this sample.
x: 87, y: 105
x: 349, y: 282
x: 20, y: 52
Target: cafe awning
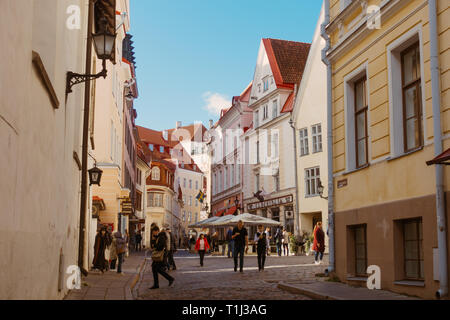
x: 231, y: 211
x: 441, y: 159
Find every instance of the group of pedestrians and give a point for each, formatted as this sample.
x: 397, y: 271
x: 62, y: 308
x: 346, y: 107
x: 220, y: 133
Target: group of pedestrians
x: 163, y: 247
x: 116, y: 244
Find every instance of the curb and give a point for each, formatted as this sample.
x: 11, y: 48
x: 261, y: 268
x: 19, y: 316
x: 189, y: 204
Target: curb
x: 309, y: 293
x: 131, y: 289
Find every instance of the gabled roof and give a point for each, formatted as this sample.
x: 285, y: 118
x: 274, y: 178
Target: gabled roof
x: 287, y: 60
x: 289, y: 105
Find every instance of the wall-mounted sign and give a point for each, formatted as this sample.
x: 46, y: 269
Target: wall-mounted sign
x: 127, y: 207
x: 342, y: 183
x: 270, y: 203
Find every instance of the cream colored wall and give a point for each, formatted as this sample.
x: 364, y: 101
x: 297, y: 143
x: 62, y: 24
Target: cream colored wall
x: 311, y: 109
x: 389, y: 180
x: 194, y: 176
x: 40, y: 181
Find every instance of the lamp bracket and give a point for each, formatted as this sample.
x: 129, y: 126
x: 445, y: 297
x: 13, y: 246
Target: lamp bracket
x: 76, y: 78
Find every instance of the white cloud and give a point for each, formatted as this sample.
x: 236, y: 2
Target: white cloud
x: 215, y: 102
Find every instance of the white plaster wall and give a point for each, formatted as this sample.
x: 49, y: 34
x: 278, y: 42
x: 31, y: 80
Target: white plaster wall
x: 40, y: 181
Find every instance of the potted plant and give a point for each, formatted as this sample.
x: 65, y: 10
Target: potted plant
x: 293, y: 247
x: 309, y: 239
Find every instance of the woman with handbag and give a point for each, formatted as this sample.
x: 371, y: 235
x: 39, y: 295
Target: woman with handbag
x: 202, y: 246
x: 158, y: 258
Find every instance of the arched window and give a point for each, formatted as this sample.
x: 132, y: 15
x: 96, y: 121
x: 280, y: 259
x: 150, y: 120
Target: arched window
x: 156, y: 174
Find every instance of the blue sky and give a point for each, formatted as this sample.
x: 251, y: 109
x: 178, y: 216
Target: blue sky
x: 192, y: 55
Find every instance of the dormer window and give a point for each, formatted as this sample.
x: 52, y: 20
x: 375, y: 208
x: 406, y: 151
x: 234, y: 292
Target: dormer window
x: 161, y: 149
x: 266, y: 83
x: 151, y: 147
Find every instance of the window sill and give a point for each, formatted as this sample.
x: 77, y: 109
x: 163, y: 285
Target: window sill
x: 311, y: 196
x: 357, y: 169
x: 405, y: 154
x: 410, y: 283
x: 356, y: 278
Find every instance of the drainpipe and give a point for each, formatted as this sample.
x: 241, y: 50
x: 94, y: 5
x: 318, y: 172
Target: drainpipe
x: 440, y: 196
x: 84, y: 158
x: 329, y: 137
x: 297, y: 207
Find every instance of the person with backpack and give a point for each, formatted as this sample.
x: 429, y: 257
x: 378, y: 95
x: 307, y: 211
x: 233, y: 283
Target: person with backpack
x: 159, y: 248
x: 118, y: 249
x: 230, y: 242
x: 278, y: 240
x: 261, y: 247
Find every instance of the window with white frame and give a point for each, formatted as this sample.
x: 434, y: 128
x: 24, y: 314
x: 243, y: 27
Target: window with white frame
x: 190, y: 216
x: 196, y: 185
x: 184, y: 183
x: 184, y: 216
x: 356, y: 118
x: 256, y: 119
x: 156, y: 174
x: 304, y: 148
x: 257, y: 183
x: 190, y: 184
x: 266, y: 83
x: 317, y: 138
x: 406, y: 93
x: 190, y: 200
x: 265, y: 112
x: 232, y: 176
x: 155, y: 200
x: 312, y: 177
x: 274, y: 109
x: 225, y: 179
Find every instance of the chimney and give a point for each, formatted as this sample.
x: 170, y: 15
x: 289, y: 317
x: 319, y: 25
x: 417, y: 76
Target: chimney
x: 178, y: 125
x: 211, y: 123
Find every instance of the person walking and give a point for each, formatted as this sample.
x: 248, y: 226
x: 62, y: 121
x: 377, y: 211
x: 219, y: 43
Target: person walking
x: 230, y: 242
x: 158, y: 257
x: 120, y: 247
x: 100, y: 245
x: 208, y: 238
x: 172, y: 250
x: 138, y: 241
x: 240, y: 237
x: 285, y: 242
x: 319, y: 243
x: 278, y: 240
x: 261, y: 247
x: 201, y: 246
x: 268, y: 238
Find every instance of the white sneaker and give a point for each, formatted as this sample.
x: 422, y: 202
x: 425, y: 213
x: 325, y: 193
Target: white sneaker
x: 316, y: 262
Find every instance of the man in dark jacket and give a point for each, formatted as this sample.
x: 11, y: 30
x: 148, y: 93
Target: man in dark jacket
x: 138, y: 241
x: 172, y: 250
x: 279, y: 240
x: 261, y: 247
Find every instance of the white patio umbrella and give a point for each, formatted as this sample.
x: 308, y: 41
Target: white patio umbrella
x: 247, y: 218
x: 203, y: 223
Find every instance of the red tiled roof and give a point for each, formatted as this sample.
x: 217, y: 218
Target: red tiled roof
x: 287, y: 60
x: 289, y: 105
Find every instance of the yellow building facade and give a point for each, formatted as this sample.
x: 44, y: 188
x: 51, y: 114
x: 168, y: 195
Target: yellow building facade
x: 385, y: 194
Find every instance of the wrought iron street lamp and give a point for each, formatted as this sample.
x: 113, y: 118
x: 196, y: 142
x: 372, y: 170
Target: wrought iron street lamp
x: 236, y: 203
x: 95, y: 176
x: 103, y: 45
x: 320, y: 189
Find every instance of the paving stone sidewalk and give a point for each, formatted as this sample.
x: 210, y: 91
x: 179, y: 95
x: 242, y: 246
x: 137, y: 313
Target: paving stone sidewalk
x: 325, y: 290
x: 110, y: 285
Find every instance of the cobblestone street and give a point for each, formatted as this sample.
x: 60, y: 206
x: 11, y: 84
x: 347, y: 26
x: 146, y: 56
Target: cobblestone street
x: 218, y: 281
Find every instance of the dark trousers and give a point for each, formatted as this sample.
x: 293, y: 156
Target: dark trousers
x: 138, y: 246
x: 202, y: 256
x: 317, y: 255
x: 158, y: 267
x: 261, y: 257
x: 279, y: 248
x: 170, y: 260
x: 113, y: 264
x: 286, y: 249
x: 120, y: 259
x: 239, y: 251
x: 230, y: 249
